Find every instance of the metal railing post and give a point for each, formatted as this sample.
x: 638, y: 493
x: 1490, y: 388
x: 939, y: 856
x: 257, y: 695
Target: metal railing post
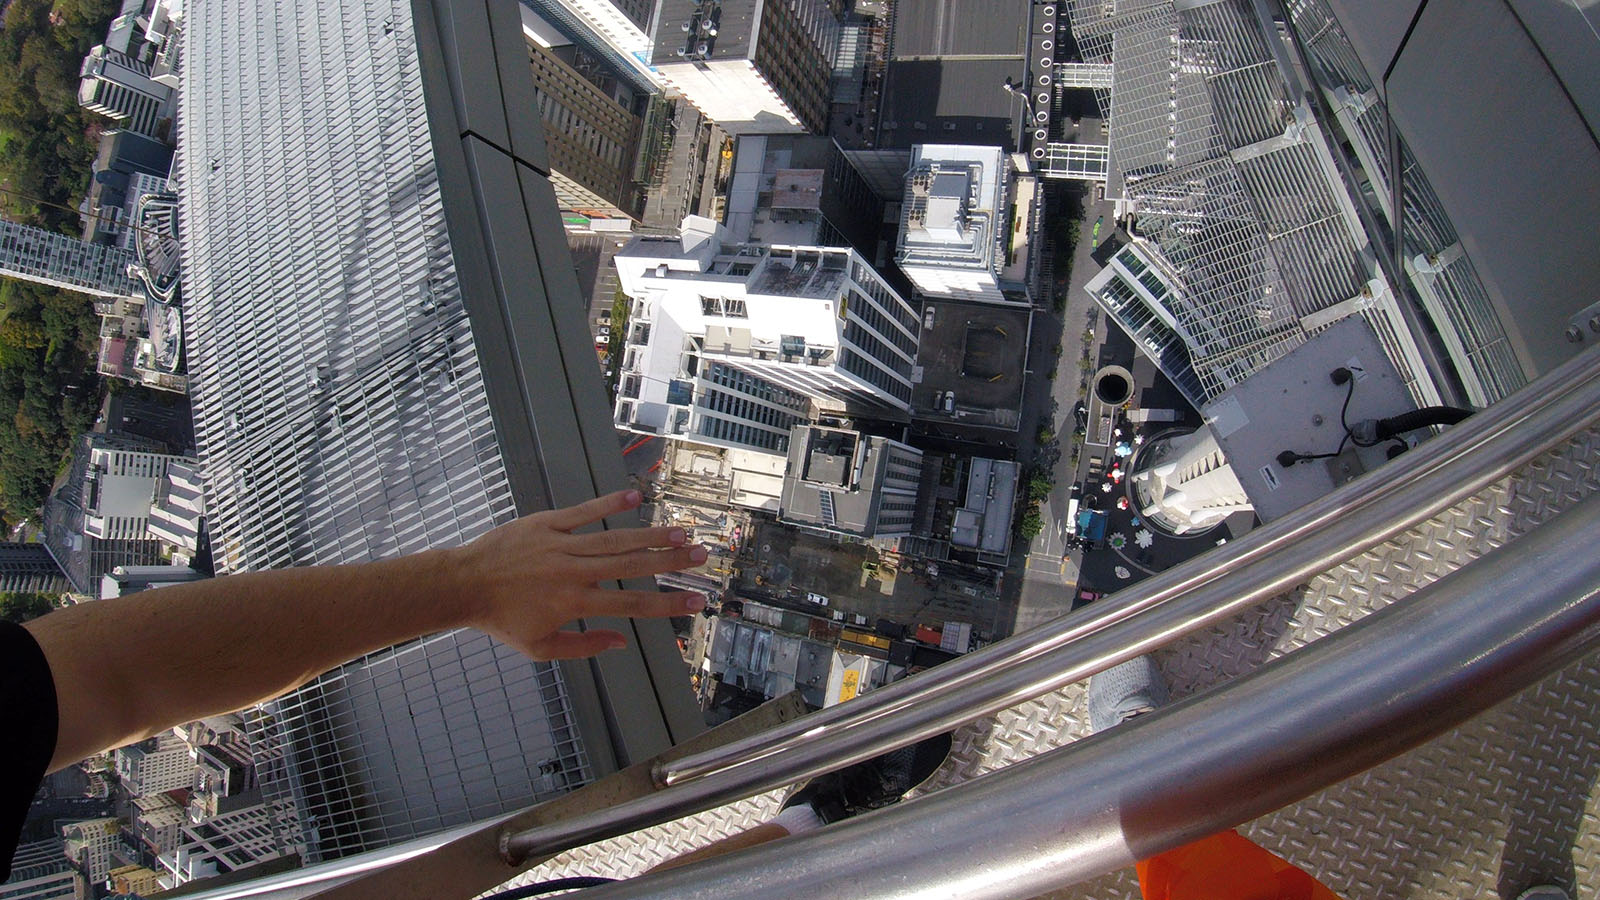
x: 1300, y: 723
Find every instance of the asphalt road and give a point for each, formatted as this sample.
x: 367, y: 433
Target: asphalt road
x: 1049, y: 573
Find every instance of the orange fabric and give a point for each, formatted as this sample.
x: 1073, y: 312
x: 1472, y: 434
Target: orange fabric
x: 1226, y: 867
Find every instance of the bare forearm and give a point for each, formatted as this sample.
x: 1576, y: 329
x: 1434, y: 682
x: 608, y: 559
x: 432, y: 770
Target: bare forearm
x: 130, y: 667
x: 127, y: 668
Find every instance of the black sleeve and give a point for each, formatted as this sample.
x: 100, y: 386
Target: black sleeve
x: 28, y: 709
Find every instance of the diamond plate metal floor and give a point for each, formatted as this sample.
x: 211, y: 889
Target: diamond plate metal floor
x: 1507, y: 801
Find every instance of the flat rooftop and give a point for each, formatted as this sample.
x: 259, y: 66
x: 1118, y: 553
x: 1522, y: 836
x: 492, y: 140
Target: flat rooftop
x: 978, y: 351
x: 957, y: 101
x: 735, y: 25
x: 940, y: 28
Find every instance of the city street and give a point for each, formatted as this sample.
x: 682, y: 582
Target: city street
x: 1049, y: 573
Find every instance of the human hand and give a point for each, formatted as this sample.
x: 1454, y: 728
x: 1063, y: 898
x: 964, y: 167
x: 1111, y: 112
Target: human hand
x: 531, y: 576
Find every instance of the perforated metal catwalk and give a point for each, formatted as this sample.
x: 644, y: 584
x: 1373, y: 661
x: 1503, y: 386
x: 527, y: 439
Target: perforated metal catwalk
x: 1507, y: 801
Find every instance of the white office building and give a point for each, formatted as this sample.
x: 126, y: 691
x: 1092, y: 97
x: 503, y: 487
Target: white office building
x: 161, y: 763
x: 227, y: 843
x: 119, y: 87
x: 178, y: 506
x: 121, y: 488
x: 88, y: 846
x: 952, y: 222
x: 39, y: 871
x: 48, y: 257
x: 732, y: 346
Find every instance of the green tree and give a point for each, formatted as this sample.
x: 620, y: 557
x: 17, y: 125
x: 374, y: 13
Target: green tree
x: 19, y: 607
x: 48, y: 392
x: 1031, y: 523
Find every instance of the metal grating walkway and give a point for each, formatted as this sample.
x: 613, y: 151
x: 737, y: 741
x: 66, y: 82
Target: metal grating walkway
x: 1504, y: 802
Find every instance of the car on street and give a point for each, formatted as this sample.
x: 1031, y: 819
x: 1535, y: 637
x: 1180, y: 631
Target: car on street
x: 816, y: 598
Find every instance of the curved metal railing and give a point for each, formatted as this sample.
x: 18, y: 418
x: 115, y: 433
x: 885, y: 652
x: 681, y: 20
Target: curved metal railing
x: 1192, y: 596
x: 1308, y: 720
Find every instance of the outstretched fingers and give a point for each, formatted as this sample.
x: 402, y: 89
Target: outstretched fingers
x: 639, y: 563
x: 626, y: 540
x: 643, y: 604
x: 578, y: 644
x: 570, y: 517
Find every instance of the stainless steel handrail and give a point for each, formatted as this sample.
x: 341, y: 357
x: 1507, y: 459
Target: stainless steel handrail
x: 1300, y: 723
x: 1218, y: 585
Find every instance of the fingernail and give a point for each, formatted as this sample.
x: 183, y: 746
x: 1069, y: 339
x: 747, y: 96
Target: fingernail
x: 676, y: 536
x: 698, y: 554
x: 632, y: 497
x: 694, y: 602
x: 616, y: 643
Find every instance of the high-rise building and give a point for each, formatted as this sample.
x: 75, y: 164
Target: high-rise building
x: 154, y: 765
x: 135, y: 880
x: 725, y: 344
x: 752, y: 66
x: 122, y: 486
x: 850, y: 483
x: 120, y: 87
x: 1243, y: 219
x: 88, y: 846
x: 46, y: 257
x: 953, y: 228
x: 158, y: 823
x: 83, y: 557
x: 615, y: 30
x: 591, y: 137
x: 127, y: 167
x: 29, y: 567
x: 801, y: 189
x: 227, y: 843
x: 178, y: 506
x: 40, y: 871
x: 1497, y: 273
x: 396, y: 364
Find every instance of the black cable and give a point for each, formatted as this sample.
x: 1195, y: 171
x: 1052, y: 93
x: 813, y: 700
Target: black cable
x: 540, y: 888
x: 1344, y: 411
x: 1394, y: 426
x: 1289, y: 457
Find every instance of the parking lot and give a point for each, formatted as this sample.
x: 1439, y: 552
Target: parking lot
x: 783, y: 565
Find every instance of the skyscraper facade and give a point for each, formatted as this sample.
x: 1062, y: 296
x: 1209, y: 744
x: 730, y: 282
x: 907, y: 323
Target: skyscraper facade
x: 726, y: 344
x: 360, y: 372
x: 46, y: 257
x: 28, y: 567
x: 591, y: 137
x: 40, y: 871
x: 119, y: 87
x: 1236, y: 193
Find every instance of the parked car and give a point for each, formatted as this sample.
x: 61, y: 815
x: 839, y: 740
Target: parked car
x: 818, y: 599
